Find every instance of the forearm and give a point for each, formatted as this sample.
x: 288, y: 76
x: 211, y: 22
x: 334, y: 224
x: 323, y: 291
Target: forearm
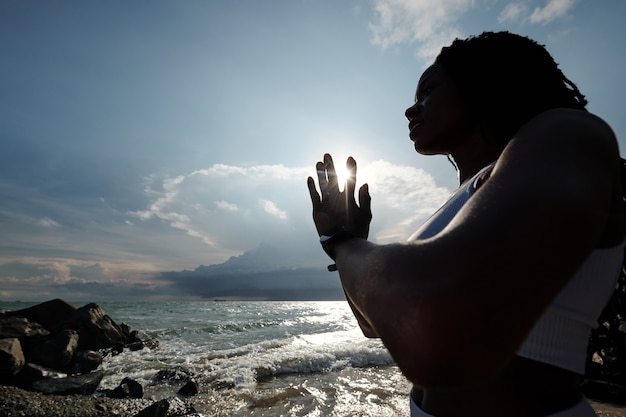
x: 383, y: 286
x: 366, y: 326
x: 424, y: 308
x: 387, y: 296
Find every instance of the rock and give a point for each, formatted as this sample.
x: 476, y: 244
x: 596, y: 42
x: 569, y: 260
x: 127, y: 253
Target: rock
x: 170, y: 407
x: 43, y: 344
x: 15, y: 326
x: 173, y: 374
x: 11, y: 358
x: 135, y: 389
x: 189, y: 389
x: 158, y: 409
x: 133, y: 336
x: 135, y: 346
x: 181, y: 408
x: 85, y: 384
x: 47, y: 313
x: 150, y: 344
x: 128, y: 388
x: 32, y: 372
x: 30, y: 333
x: 57, y: 352
x: 96, y: 330
x: 85, y: 361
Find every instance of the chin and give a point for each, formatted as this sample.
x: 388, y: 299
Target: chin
x: 424, y: 150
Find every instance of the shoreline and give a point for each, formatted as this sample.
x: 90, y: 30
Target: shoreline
x: 16, y: 402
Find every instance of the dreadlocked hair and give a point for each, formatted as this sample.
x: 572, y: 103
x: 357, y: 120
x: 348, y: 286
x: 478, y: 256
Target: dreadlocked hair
x: 507, y: 79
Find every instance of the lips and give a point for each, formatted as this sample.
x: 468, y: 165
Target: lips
x: 415, y: 123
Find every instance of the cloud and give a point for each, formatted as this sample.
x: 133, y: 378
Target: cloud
x: 271, y: 208
x: 433, y: 24
x: 47, y: 222
x: 230, y: 208
x: 226, y: 205
x: 204, y: 217
x: 519, y: 11
x: 233, y: 208
x: 513, y: 12
x: 403, y: 197
x: 554, y: 9
x: 428, y: 23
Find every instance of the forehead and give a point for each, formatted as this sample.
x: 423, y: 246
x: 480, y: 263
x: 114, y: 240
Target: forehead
x: 434, y: 71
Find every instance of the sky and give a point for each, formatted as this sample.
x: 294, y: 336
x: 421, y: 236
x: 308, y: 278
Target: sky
x: 141, y: 141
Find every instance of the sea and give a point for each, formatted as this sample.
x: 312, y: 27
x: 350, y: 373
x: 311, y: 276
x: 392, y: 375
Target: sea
x: 260, y: 358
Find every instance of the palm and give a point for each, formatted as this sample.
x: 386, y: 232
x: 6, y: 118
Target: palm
x: 339, y: 208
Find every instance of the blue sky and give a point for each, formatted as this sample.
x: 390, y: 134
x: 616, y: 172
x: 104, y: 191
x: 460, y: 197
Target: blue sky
x: 142, y: 137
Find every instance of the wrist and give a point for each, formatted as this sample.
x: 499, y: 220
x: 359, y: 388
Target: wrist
x: 333, y: 237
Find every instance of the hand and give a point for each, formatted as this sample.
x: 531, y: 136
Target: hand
x: 338, y: 208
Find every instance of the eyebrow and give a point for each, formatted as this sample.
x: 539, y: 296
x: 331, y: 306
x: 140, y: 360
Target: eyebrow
x: 425, y: 78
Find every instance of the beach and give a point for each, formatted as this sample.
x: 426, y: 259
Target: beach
x: 248, y: 359
x: 15, y: 402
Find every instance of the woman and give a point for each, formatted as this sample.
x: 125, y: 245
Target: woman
x: 487, y: 308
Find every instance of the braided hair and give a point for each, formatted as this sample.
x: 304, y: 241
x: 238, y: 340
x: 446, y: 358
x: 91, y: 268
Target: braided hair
x: 507, y: 79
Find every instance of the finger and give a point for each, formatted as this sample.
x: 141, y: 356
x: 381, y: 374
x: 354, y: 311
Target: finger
x: 351, y: 179
x: 331, y: 174
x: 365, y: 200
x: 315, y: 197
x: 321, y: 176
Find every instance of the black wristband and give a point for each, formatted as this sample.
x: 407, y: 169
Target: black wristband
x: 336, y: 235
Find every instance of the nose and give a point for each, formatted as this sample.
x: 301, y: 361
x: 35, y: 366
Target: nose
x: 412, y: 111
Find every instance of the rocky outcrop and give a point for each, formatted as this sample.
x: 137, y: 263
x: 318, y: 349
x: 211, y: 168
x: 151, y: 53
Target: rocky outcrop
x: 54, y: 347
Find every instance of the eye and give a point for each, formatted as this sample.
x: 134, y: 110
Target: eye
x: 423, y: 93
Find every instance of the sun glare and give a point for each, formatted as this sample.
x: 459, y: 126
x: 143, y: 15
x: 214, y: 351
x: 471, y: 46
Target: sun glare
x: 342, y: 172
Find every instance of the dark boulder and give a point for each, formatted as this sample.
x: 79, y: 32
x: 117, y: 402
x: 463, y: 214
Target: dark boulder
x: 85, y: 384
x: 32, y: 372
x: 47, y: 313
x: 157, y: 409
x: 170, y: 407
x: 128, y: 388
x: 57, y: 352
x: 84, y: 361
x: 29, y: 333
x: 149, y: 343
x: 11, y: 358
x: 96, y: 329
x: 189, y: 389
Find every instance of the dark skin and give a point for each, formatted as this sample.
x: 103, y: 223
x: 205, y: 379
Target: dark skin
x: 555, y: 189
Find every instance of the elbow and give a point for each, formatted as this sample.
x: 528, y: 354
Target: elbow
x: 453, y: 370
x: 436, y: 349
x: 369, y: 332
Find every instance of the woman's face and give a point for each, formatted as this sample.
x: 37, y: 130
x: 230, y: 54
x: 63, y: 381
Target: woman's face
x: 439, y: 121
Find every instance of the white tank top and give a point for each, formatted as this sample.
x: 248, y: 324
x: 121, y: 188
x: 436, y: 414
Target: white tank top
x: 561, y: 334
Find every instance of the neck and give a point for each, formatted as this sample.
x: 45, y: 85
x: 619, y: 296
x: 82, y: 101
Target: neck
x: 473, y: 158
x: 468, y: 170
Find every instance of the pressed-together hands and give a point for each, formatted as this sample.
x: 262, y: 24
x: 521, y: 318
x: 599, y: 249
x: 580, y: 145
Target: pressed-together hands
x: 338, y: 209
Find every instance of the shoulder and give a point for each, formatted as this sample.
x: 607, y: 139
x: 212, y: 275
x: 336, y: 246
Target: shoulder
x: 561, y: 140
x: 562, y: 124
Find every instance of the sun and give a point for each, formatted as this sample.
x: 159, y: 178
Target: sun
x: 342, y: 172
